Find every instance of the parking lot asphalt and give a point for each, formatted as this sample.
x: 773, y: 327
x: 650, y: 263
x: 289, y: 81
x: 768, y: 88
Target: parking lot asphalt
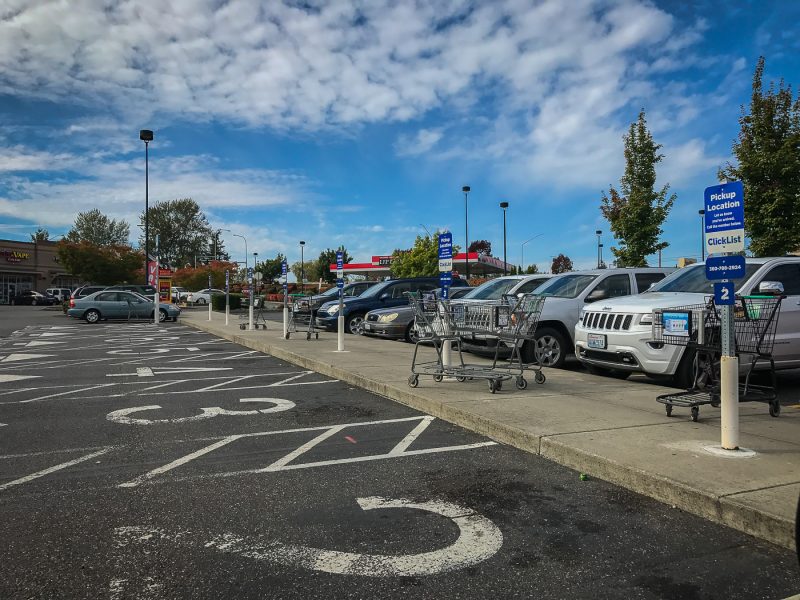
x: 163, y: 462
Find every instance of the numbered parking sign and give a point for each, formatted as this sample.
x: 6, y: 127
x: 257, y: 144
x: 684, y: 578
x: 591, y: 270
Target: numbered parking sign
x: 724, y: 293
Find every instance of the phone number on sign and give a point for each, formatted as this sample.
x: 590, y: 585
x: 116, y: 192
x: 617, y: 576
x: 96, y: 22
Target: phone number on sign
x: 724, y: 268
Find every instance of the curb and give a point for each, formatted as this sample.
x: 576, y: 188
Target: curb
x: 718, y: 509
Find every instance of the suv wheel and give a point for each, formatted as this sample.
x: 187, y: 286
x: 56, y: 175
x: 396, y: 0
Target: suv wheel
x: 685, y: 373
x: 411, y: 333
x: 354, y: 324
x: 550, y: 347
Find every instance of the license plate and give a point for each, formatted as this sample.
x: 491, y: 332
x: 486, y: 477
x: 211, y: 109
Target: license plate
x: 597, y: 340
x: 367, y: 327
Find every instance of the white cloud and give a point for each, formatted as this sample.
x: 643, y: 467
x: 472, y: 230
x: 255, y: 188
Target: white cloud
x: 422, y: 142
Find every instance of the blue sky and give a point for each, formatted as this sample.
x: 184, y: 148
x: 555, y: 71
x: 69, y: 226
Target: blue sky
x: 357, y: 123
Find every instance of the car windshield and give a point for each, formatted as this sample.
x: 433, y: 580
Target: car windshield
x: 566, y: 286
x: 375, y: 289
x: 491, y: 290
x: 329, y: 293
x: 693, y: 280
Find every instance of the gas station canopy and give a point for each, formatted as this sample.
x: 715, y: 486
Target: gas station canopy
x: 479, y: 265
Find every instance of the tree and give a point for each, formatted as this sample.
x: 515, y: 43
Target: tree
x: 326, y: 258
x: 481, y: 247
x: 532, y: 269
x: 420, y: 261
x: 768, y: 155
x: 217, y: 247
x: 637, y: 211
x: 561, y: 264
x: 271, y: 268
x: 97, y: 229
x: 101, y: 264
x: 40, y: 235
x: 197, y: 278
x: 183, y: 231
x: 309, y: 268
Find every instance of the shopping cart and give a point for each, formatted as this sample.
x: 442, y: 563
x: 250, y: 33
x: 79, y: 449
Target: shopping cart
x: 259, y: 318
x: 301, y: 318
x: 698, y: 327
x: 436, y: 325
x: 515, y: 323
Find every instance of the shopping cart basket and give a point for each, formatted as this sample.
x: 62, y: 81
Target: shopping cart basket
x: 301, y: 318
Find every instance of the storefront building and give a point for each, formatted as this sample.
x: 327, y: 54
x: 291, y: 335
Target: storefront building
x: 30, y: 266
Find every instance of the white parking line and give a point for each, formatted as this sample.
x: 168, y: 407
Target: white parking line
x: 53, y: 469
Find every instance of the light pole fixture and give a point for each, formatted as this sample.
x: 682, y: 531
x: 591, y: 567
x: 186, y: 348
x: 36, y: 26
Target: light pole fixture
x: 504, y: 206
x: 599, y: 246
x: 146, y: 136
x: 466, y: 190
x: 302, y: 267
x: 245, y: 246
x: 702, y: 213
x: 522, y: 258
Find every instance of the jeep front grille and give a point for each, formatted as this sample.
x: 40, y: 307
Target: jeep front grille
x: 607, y: 321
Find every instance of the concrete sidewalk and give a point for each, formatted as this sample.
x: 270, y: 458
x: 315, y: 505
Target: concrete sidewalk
x: 606, y: 428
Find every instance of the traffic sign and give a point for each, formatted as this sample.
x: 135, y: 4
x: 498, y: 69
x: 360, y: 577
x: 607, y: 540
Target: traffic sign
x: 445, y: 265
x: 249, y: 275
x: 284, y: 268
x: 725, y: 267
x: 445, y: 279
x: 340, y: 283
x: 227, y: 281
x: 339, y: 260
x: 724, y: 218
x: 724, y: 293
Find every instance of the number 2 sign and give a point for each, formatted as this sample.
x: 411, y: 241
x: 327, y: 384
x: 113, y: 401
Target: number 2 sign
x: 724, y: 293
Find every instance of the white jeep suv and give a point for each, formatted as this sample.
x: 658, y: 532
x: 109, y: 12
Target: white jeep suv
x: 615, y: 337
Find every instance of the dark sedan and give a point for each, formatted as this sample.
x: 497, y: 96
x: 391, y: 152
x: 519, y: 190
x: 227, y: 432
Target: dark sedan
x: 398, y: 323
x: 33, y: 298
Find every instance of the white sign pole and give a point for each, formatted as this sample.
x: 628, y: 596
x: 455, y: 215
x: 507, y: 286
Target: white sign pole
x: 227, y: 297
x: 340, y: 318
x: 252, y: 301
x: 156, y: 311
x: 285, y: 275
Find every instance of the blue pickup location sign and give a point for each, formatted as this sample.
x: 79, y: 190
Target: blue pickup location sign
x: 446, y: 245
x: 227, y: 281
x: 725, y: 267
x: 724, y: 294
x: 724, y: 218
x: 339, y: 260
x: 284, y: 268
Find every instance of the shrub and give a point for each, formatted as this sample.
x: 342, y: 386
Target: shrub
x: 218, y: 301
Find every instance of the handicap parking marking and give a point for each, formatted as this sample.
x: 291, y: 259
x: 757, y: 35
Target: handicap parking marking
x: 122, y: 416
x: 287, y: 462
x: 478, y: 540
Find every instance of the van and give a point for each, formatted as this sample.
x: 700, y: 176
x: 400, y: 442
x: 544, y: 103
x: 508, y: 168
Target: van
x: 60, y: 294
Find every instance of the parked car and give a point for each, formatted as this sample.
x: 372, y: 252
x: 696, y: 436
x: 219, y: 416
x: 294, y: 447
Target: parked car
x: 145, y: 290
x: 203, y: 296
x: 351, y: 290
x: 60, y: 294
x: 615, y: 337
x: 119, y: 304
x: 86, y: 290
x: 179, y: 294
x: 33, y: 298
x: 398, y: 323
x: 386, y: 294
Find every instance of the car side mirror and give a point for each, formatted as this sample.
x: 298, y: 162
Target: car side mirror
x: 771, y: 288
x: 596, y: 295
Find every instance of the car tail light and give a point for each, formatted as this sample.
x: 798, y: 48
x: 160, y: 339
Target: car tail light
x: 72, y: 302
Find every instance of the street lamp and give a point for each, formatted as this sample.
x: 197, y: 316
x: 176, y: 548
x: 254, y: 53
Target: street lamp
x: 702, y: 213
x: 146, y: 136
x: 466, y: 190
x: 245, y: 246
x: 599, y: 246
x: 504, y: 206
x: 522, y: 258
x: 302, y: 267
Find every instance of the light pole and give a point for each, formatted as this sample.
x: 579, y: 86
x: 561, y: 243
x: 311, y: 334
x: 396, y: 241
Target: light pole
x: 702, y: 213
x: 504, y: 206
x: 302, y: 267
x: 146, y: 136
x: 522, y: 258
x: 466, y: 190
x: 245, y: 246
x: 599, y: 246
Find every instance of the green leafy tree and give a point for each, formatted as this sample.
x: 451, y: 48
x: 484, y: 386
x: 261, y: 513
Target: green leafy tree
x: 97, y: 229
x: 101, y: 264
x: 309, y: 269
x: 197, y: 278
x: 326, y: 258
x: 532, y: 269
x: 40, y: 235
x: 271, y: 268
x: 561, y: 264
x: 768, y: 155
x: 183, y: 231
x: 420, y: 261
x: 637, y: 211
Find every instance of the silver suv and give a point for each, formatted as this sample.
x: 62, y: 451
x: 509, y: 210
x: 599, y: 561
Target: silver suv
x: 568, y: 294
x: 615, y: 338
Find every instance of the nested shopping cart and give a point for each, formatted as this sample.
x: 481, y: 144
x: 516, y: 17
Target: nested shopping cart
x: 698, y: 327
x: 515, y: 323
x: 301, y: 318
x: 437, y: 324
